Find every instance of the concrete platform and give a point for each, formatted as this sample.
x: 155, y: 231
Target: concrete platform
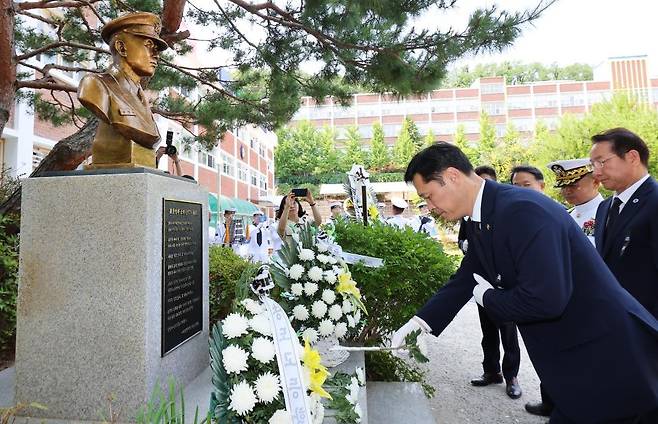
x: 398, y: 403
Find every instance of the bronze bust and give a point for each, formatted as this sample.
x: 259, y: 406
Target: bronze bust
x: 127, y: 135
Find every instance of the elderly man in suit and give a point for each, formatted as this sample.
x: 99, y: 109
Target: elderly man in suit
x: 626, y: 232
x: 529, y: 263
x: 127, y: 135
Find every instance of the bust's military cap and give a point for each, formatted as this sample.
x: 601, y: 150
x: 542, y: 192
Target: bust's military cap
x: 143, y: 24
x: 569, y: 171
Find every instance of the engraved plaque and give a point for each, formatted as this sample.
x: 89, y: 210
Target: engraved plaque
x: 182, y: 272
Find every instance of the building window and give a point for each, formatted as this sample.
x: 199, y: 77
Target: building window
x: 497, y: 108
x: 227, y: 165
x: 242, y: 173
x: 368, y: 109
x: 261, y: 150
x: 442, y: 106
x: 468, y: 105
x: 263, y: 182
x: 252, y: 143
x: 254, y: 178
x: 519, y: 102
x: 492, y: 88
x: 572, y: 99
x: 546, y: 100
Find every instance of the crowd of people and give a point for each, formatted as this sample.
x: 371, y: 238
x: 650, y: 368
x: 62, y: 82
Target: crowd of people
x: 580, y: 285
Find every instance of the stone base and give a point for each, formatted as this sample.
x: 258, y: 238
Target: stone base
x: 90, y: 295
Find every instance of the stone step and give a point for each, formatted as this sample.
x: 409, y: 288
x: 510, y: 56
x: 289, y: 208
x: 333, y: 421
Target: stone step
x: 398, y: 403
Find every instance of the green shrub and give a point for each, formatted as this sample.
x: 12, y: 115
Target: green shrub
x: 225, y: 268
x: 415, y: 267
x: 383, y: 366
x: 8, y: 280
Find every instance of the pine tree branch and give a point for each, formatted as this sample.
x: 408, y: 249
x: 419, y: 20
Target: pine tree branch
x: 60, y: 44
x: 52, y: 4
x: 45, y: 83
x: 37, y: 17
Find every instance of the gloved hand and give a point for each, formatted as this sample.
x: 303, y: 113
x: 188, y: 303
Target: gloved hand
x: 482, y: 286
x: 415, y: 323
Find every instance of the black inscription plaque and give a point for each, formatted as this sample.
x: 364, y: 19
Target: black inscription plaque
x: 182, y: 268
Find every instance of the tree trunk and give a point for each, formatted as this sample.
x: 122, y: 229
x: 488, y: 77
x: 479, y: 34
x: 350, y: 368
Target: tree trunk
x: 7, y: 64
x: 66, y: 155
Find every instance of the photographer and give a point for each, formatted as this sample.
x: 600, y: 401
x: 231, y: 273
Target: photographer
x: 171, y: 151
x: 291, y: 213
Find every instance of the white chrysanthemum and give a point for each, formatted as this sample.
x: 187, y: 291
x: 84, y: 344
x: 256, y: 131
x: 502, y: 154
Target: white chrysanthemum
x: 357, y: 411
x: 234, y: 359
x: 311, y: 335
x: 297, y: 289
x: 353, y: 396
x: 341, y: 330
x: 262, y: 350
x: 323, y: 259
x: 326, y: 327
x: 317, y: 409
x: 261, y: 324
x: 267, y: 387
x: 243, y: 398
x: 335, y: 312
x: 234, y: 325
x: 296, y: 271
x: 306, y: 255
x: 329, y: 296
x: 252, y: 306
x: 361, y: 376
x: 322, y: 247
x: 357, y: 316
x: 310, y: 288
x: 280, y: 417
x: 332, y: 260
x: 350, y: 321
x: 330, y: 277
x: 318, y: 309
x: 347, y: 306
x: 315, y: 273
x: 300, y: 312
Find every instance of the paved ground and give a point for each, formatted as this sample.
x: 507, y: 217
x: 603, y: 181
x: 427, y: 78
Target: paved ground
x: 455, y: 358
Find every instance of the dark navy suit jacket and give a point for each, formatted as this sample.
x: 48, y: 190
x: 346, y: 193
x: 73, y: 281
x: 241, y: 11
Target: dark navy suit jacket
x: 631, y: 244
x: 595, y: 348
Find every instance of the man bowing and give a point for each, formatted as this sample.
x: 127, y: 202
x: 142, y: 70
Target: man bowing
x: 529, y: 263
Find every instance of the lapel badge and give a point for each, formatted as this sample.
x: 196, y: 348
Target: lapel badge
x: 489, y: 228
x: 636, y: 200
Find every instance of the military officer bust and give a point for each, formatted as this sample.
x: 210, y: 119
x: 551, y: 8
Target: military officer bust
x: 127, y: 135
x: 580, y: 189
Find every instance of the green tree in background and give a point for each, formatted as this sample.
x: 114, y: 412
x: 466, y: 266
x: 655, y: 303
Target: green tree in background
x: 429, y: 139
x: 409, y: 126
x: 354, y: 153
x: 487, y: 142
x: 406, y: 144
x: 379, y: 157
x: 517, y: 73
x: 462, y: 142
x: 304, y: 151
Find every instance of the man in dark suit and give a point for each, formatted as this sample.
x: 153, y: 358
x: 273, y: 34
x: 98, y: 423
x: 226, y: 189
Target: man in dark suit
x: 579, y: 325
x: 626, y: 229
x: 492, y: 334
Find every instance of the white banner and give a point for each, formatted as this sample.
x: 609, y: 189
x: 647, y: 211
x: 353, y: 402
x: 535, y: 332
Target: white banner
x: 290, y: 369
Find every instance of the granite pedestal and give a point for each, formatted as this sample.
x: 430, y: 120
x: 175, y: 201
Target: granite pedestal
x: 90, y: 293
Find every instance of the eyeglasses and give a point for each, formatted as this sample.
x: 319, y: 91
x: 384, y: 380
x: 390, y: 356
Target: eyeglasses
x: 596, y: 164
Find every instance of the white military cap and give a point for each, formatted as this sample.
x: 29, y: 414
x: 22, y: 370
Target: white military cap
x: 230, y: 209
x: 569, y: 171
x: 335, y: 205
x: 258, y: 212
x: 399, y: 203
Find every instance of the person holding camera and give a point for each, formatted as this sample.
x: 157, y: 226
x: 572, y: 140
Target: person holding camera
x: 171, y: 151
x: 291, y: 214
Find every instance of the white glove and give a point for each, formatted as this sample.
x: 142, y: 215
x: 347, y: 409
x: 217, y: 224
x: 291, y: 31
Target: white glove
x: 482, y: 286
x: 415, y: 323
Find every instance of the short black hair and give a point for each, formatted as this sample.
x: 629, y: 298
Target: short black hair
x: 529, y: 169
x: 279, y: 212
x: 486, y: 170
x: 623, y: 141
x: 433, y: 160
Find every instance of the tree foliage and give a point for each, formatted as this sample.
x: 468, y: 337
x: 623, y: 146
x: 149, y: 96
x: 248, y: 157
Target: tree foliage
x: 517, y: 73
x: 407, y: 143
x: 379, y: 157
x: 354, y: 153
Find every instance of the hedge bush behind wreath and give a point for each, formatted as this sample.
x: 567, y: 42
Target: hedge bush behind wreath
x: 415, y: 267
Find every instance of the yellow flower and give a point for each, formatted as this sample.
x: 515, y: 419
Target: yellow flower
x: 373, y: 212
x: 344, y: 277
x: 311, y: 357
x: 318, y: 372
x: 348, y: 286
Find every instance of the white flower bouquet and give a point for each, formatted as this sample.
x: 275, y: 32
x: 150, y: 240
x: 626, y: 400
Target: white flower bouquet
x: 247, y: 388
x: 324, y: 299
